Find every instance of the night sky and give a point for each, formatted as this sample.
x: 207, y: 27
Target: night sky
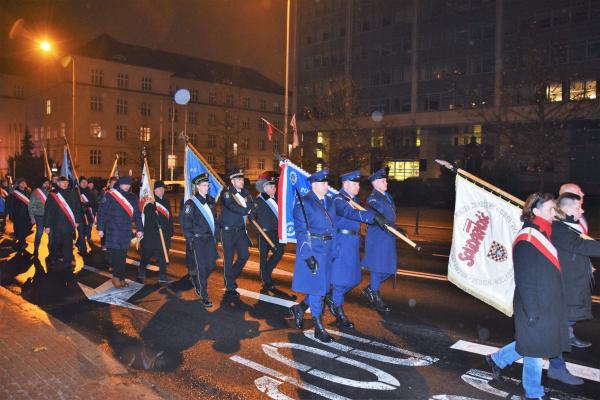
x: 250, y: 33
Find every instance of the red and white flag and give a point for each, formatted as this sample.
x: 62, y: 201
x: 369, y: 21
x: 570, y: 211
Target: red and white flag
x: 146, y: 191
x: 269, y: 131
x: 294, y: 126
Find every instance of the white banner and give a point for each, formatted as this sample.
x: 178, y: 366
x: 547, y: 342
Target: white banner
x: 481, y: 263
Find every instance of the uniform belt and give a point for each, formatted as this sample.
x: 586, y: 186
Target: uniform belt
x: 320, y: 237
x: 348, y: 232
x: 234, y: 228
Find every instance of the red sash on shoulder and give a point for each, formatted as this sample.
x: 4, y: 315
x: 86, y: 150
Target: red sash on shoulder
x: 21, y: 197
x: 162, y: 209
x: 40, y: 194
x: 64, y: 206
x: 126, y: 205
x: 540, y: 242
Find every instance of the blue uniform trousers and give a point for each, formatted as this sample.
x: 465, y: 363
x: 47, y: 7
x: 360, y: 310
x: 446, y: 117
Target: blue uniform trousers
x: 315, y: 302
x: 377, y: 279
x: 338, y: 293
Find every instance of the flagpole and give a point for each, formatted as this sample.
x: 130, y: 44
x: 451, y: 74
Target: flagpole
x: 46, y: 164
x: 286, y: 100
x: 153, y: 200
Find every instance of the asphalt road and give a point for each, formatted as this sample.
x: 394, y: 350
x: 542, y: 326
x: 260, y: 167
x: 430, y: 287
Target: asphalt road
x: 249, y: 348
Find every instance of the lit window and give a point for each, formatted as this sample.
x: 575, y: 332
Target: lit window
x: 418, y: 139
x: 144, y: 134
x: 583, y: 90
x: 319, y: 137
x: 377, y: 138
x: 319, y: 166
x: 48, y: 107
x: 554, y: 92
x: 401, y: 170
x: 95, y: 131
x: 319, y: 153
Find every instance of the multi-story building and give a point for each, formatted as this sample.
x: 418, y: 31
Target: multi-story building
x: 12, y: 112
x: 427, y: 76
x: 123, y: 101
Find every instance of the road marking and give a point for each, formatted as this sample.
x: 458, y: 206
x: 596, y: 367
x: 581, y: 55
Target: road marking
x: 269, y: 386
x: 592, y: 374
x: 269, y: 299
x: 284, y: 378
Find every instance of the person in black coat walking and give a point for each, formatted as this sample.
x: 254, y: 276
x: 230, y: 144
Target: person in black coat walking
x: 198, y: 222
x: 62, y: 216
x: 157, y: 216
x: 539, y: 304
x: 18, y: 210
x: 267, y: 216
x: 117, y: 212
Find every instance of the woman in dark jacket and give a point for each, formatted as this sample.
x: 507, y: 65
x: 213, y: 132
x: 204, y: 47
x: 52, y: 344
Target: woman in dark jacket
x: 539, y: 304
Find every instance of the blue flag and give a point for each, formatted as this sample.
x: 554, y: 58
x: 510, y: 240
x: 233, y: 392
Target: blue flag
x: 194, y: 166
x: 68, y: 170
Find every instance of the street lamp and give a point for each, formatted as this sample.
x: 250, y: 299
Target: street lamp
x: 45, y: 46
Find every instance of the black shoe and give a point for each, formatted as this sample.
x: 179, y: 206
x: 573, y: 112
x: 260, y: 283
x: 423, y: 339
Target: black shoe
x: 232, y: 293
x: 379, y: 304
x: 330, y: 305
x: 580, y: 344
x: 297, y: 311
x: 496, y: 370
x: 205, y: 301
x: 342, y: 319
x: 370, y: 295
x: 320, y: 332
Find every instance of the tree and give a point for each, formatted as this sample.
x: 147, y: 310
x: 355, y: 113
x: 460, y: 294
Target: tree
x: 26, y: 164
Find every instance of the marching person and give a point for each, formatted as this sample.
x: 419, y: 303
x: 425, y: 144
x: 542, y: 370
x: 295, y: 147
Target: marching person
x: 267, y: 215
x: 157, y: 217
x: 37, y: 202
x: 575, y: 189
x: 62, y: 216
x: 109, y: 185
x: 3, y: 199
x: 116, y: 214
x: 18, y: 210
x: 198, y: 222
x: 237, y: 206
x: 539, y: 303
x: 314, y: 221
x: 87, y: 203
x: 574, y: 255
x: 380, y: 244
x: 345, y: 270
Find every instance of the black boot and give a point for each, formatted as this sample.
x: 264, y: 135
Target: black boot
x: 297, y: 312
x: 330, y: 305
x: 341, y: 318
x: 370, y: 295
x: 320, y: 332
x: 379, y: 304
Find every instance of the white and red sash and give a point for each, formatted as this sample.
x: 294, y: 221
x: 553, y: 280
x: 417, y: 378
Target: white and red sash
x: 540, y: 242
x: 64, y: 206
x: 21, y: 197
x: 162, y: 209
x: 83, y: 198
x: 123, y: 202
x: 40, y: 194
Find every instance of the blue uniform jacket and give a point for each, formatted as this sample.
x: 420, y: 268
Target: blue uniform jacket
x: 380, y: 245
x: 320, y: 222
x: 345, y: 270
x: 115, y: 222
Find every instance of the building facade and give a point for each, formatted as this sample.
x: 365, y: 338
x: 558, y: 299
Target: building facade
x: 429, y: 78
x: 12, y: 113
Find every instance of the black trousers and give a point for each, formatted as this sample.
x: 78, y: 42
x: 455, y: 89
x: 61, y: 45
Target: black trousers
x: 268, y: 264
x: 147, y: 253
x: 234, y: 244
x: 201, y: 266
x: 117, y: 259
x: 62, y: 245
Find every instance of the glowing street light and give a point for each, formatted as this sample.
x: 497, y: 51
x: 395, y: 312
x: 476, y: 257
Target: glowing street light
x: 45, y: 46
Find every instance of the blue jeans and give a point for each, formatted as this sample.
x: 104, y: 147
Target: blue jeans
x: 377, y: 279
x: 39, y: 231
x: 532, y: 368
x: 315, y: 302
x: 338, y: 292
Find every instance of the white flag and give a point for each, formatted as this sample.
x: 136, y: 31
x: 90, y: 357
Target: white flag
x: 481, y: 262
x: 146, y: 190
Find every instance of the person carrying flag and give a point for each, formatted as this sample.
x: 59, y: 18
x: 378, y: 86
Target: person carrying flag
x: 157, y: 216
x: 18, y: 210
x: 116, y: 214
x: 198, y: 222
x: 61, y: 218
x: 37, y: 203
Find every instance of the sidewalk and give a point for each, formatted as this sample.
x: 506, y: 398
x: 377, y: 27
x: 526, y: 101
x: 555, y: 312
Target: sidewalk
x: 42, y: 358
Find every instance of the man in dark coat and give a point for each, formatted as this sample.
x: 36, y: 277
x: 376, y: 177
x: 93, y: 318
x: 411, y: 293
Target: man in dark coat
x: 539, y: 303
x: 37, y: 204
x: 574, y: 255
x: 117, y: 212
x: 18, y: 210
x: 61, y: 218
x: 198, y: 222
x: 315, y: 225
x: 157, y: 218
x: 88, y: 218
x: 237, y: 205
x: 267, y: 215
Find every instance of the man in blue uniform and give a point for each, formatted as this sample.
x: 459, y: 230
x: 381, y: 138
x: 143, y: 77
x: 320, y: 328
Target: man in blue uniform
x: 314, y: 222
x: 267, y: 215
x: 199, y: 228
x: 345, y: 270
x: 117, y: 212
x: 237, y: 206
x: 380, y: 244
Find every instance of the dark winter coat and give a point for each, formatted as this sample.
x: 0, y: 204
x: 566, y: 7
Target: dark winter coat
x: 574, y: 254
x: 539, y: 304
x: 115, y: 222
x: 232, y: 214
x: 265, y: 217
x: 54, y: 216
x: 199, y: 237
x: 87, y: 207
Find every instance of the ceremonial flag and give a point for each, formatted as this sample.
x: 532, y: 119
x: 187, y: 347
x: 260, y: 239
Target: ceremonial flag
x: 481, y: 263
x: 193, y: 165
x: 269, y: 131
x: 146, y: 190
x: 68, y: 169
x: 47, y: 169
x: 114, y: 171
x: 291, y: 178
x: 294, y: 126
